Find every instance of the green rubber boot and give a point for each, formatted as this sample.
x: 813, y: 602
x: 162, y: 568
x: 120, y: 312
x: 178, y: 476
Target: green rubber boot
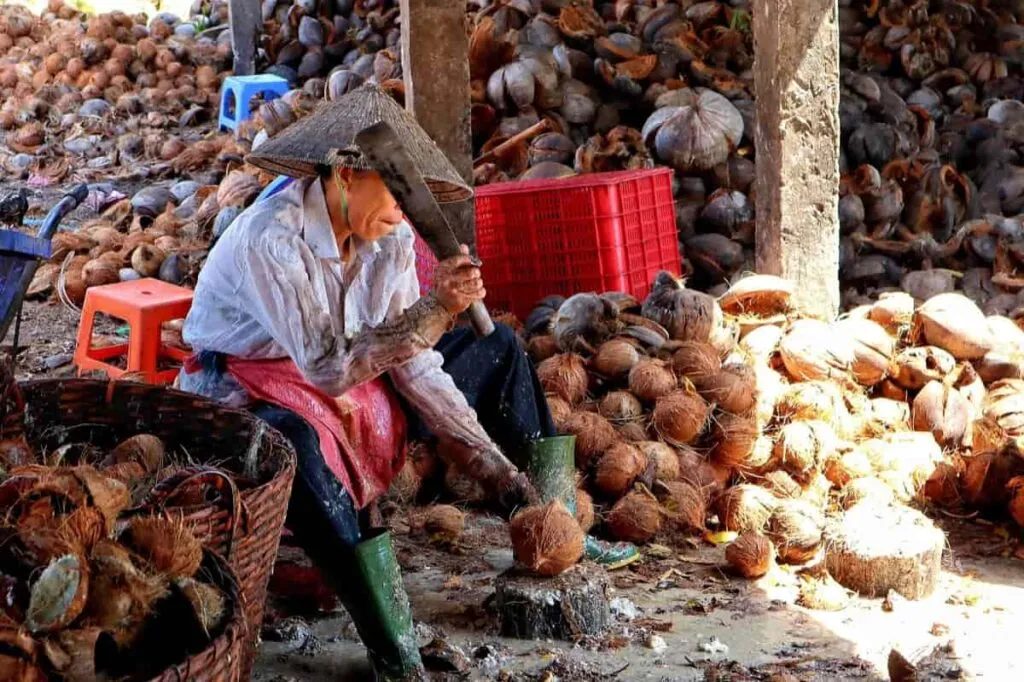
x: 551, y: 465
x: 383, y: 617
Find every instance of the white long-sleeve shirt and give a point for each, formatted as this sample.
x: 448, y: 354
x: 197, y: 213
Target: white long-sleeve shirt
x: 275, y: 286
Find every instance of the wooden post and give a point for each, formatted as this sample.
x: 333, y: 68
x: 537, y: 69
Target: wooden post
x: 796, y: 75
x: 246, y: 20
x: 435, y: 66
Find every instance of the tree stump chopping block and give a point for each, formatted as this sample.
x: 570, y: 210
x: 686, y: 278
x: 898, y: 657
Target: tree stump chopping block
x: 873, y: 549
x: 564, y: 607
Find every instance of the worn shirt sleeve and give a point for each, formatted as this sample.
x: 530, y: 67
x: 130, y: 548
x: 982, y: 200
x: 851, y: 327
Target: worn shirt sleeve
x: 283, y: 288
x: 422, y: 380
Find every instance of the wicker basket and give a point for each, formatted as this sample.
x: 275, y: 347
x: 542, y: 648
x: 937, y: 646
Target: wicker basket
x: 222, y: 661
x: 246, y: 528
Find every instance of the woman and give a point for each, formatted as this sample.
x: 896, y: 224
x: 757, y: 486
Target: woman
x: 308, y: 312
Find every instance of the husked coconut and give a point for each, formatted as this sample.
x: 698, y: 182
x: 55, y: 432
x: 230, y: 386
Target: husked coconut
x: 943, y: 411
x: 918, y: 365
x: 954, y: 323
x: 813, y: 350
x: 894, y: 311
x: 873, y: 349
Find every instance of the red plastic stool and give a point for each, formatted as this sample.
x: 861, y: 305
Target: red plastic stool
x: 145, y: 305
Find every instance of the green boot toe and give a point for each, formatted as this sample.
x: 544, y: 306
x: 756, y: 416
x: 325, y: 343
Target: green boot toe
x: 611, y: 555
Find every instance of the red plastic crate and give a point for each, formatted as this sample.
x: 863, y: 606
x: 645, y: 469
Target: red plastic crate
x: 597, y: 232
x: 425, y: 264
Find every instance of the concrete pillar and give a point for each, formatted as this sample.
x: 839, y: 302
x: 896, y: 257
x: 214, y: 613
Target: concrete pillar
x: 246, y: 21
x: 796, y: 73
x: 435, y: 65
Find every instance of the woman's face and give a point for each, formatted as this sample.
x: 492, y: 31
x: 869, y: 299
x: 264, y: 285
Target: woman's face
x: 372, y: 211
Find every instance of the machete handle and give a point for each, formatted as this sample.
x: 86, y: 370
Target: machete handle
x: 480, y: 319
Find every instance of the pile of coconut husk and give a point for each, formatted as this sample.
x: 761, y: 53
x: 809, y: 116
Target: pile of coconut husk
x: 90, y: 592
x: 106, y: 95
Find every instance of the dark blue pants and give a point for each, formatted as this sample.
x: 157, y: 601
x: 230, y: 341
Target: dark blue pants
x: 498, y: 381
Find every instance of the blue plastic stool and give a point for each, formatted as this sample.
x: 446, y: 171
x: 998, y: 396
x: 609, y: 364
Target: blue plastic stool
x: 239, y: 91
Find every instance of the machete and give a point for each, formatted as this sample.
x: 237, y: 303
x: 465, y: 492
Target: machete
x: 384, y: 151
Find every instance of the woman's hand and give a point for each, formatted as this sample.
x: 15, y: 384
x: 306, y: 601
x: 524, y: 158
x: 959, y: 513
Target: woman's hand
x: 457, y: 282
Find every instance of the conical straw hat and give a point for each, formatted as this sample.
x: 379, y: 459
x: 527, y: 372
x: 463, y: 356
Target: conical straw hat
x: 327, y: 138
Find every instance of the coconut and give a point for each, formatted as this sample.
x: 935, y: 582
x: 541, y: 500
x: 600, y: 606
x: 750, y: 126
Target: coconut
x: 769, y: 387
x: 865, y: 490
x: 120, y: 595
x: 751, y: 554
x: 542, y: 347
x: 985, y: 477
x: 564, y: 375
x: 890, y: 415
x: 679, y: 417
x: 696, y: 361
x: 894, y: 311
x: 82, y: 529
x: 758, y: 295
x: 649, y: 380
x: 688, y: 315
x: 733, y: 440
x: 207, y: 602
x: 546, y: 539
x: 683, y: 504
x: 560, y: 411
x: 463, y: 488
x: 873, y: 349
x: 745, y: 507
x: 733, y: 389
x: 943, y: 486
x: 146, y: 260
x: 43, y: 281
x: 146, y: 449
x: 108, y: 495
x: 584, y: 510
x: 916, y: 366
x: 444, y: 522
x: 841, y: 468
x: 1015, y: 486
x: 781, y: 484
x: 594, y: 435
x: 943, y: 411
x: 58, y: 595
x: 1000, y: 363
x: 167, y: 545
x: 801, y: 446
x: 615, y: 358
x: 666, y: 460
x: 954, y: 323
x: 1005, y: 406
x: 762, y: 343
x: 618, y: 468
x: 635, y: 518
x: 632, y: 432
x: 813, y: 350
x: 98, y: 272
x: 406, y: 485
x: 620, y: 406
x: 795, y: 528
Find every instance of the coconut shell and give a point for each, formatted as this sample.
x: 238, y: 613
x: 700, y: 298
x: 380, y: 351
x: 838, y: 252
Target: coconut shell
x: 594, y: 435
x: 683, y: 504
x: 565, y: 376
x: 733, y: 389
x: 167, y: 545
x: 108, y: 495
x: 802, y: 446
x: 733, y: 440
x: 758, y: 295
x: 620, y: 406
x: 615, y: 358
x: 585, y: 510
x: 618, y: 468
x: 58, y: 595
x: 649, y: 380
x: 666, y: 460
x: 954, y: 323
x: 813, y: 350
x: 873, y: 349
x: 546, y: 539
x: 635, y: 518
x: 679, y: 417
x: 751, y: 555
x: 745, y: 507
x: 795, y: 528
x: 145, y: 449
x: 696, y: 361
x: 444, y: 522
x: 943, y: 411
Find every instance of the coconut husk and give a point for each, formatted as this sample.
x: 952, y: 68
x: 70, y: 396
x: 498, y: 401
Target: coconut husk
x: 444, y: 522
x: 145, y: 449
x: 620, y: 407
x: 82, y: 529
x: 761, y: 344
x: 618, y: 468
x: 943, y: 486
x: 546, y: 539
x: 614, y: 359
x: 803, y: 445
x: 108, y: 495
x: 58, y: 595
x: 632, y: 432
x: 208, y: 603
x: 985, y: 476
x: 594, y: 435
x: 121, y: 595
x: 873, y: 349
x: 696, y: 361
x: 734, y: 439
x: 167, y: 546
x: 650, y: 380
x: 866, y: 490
x: 406, y: 485
x: 954, y: 323
x: 636, y: 517
x: 564, y: 375
x: 781, y: 485
x: 73, y: 654
x: 745, y: 507
x: 889, y: 415
x: 679, y: 417
x: 665, y: 459
x: 751, y: 555
x: 683, y: 505
x: 873, y: 549
x: 758, y: 295
x: 769, y: 388
x: 843, y: 467
x: 585, y: 515
x: 733, y: 389
x: 43, y: 281
x: 462, y: 488
x: 812, y: 400
x: 795, y: 528
x: 560, y: 411
x: 18, y: 662
x: 812, y: 350
x: 1005, y: 406
x: 820, y: 591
